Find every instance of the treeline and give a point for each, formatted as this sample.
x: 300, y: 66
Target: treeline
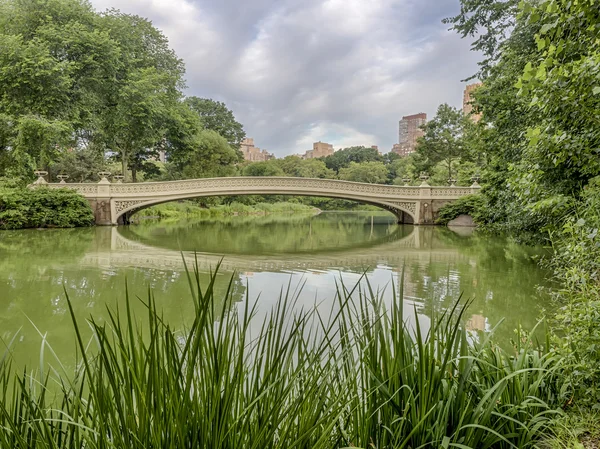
x: 80, y: 89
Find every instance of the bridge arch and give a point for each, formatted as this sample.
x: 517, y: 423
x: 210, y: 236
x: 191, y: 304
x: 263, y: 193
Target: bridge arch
x: 403, y: 212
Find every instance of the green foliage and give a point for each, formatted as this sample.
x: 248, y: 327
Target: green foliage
x: 215, y: 116
x: 443, y: 142
x: 489, y: 22
x: 305, y: 168
x: 561, y: 85
x: 577, y: 265
x: 81, y: 164
x: 577, y: 429
x: 212, y: 157
x: 72, y: 78
x: 473, y: 205
x: 187, y: 209
x: 41, y: 207
x: 343, y: 158
x: 403, y: 168
x: 371, y: 172
x: 363, y: 378
x: 265, y: 168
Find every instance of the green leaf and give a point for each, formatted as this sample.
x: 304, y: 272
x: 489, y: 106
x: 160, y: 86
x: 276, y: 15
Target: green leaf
x: 547, y: 27
x: 596, y: 90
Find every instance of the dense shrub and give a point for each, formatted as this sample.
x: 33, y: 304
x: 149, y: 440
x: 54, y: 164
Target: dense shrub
x: 21, y: 207
x: 576, y: 266
x: 473, y: 205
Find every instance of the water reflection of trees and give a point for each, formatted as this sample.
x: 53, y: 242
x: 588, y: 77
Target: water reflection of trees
x: 271, y: 234
x: 39, y: 269
x: 500, y: 277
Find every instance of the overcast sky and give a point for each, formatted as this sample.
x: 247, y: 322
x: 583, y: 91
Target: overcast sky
x: 298, y: 71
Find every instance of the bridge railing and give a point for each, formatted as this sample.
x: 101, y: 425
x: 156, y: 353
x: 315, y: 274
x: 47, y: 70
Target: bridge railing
x: 280, y: 185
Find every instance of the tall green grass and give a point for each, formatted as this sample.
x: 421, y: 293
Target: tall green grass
x: 357, y: 377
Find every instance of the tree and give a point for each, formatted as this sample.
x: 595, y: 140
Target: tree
x: 80, y: 164
x: 73, y: 78
x: 215, y: 116
x: 54, y: 58
x: 343, y: 158
x: 144, y: 93
x: 491, y: 22
x: 561, y: 84
x: 212, y: 157
x: 403, y: 168
x: 370, y: 172
x: 304, y: 168
x: 265, y: 168
x: 443, y: 139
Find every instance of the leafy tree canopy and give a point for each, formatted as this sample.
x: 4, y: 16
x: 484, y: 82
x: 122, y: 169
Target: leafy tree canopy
x: 373, y: 172
x: 305, y: 168
x: 215, y: 115
x: 343, y: 158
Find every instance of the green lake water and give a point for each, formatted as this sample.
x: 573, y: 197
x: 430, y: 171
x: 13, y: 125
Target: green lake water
x: 261, y: 256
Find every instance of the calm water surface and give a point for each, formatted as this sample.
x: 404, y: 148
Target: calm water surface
x: 263, y: 255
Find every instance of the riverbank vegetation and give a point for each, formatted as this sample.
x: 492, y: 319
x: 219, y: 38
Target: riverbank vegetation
x: 540, y: 132
x: 188, y: 209
x: 21, y: 207
x: 358, y: 376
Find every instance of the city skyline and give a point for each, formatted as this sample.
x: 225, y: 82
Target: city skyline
x: 296, y: 72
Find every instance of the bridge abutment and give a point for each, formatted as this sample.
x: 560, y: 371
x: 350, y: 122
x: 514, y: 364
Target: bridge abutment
x: 102, y: 211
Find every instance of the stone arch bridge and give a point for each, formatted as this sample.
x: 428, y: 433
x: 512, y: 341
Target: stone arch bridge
x: 114, y: 203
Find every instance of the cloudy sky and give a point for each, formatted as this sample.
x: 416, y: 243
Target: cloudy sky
x: 298, y: 71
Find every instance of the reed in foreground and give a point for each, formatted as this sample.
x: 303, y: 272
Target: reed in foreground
x: 359, y: 377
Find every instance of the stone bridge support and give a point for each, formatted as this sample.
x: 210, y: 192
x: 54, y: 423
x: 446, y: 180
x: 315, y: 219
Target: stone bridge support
x: 113, y: 203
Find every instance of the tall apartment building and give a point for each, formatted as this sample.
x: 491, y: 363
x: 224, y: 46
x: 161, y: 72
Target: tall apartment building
x: 467, y: 99
x: 410, y: 130
x: 252, y: 153
x: 320, y: 149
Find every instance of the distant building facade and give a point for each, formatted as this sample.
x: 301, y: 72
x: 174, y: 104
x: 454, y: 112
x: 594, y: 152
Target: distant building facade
x: 468, y: 99
x: 402, y: 150
x: 252, y: 153
x: 320, y: 149
x: 409, y: 131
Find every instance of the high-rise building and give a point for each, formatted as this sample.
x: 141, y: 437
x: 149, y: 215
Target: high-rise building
x: 410, y: 130
x: 252, y: 153
x: 320, y: 149
x: 468, y: 99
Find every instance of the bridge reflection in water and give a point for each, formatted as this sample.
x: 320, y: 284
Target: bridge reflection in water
x: 118, y: 251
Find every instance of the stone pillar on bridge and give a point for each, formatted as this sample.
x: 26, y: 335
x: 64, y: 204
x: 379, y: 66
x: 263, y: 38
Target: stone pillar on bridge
x: 425, y: 204
x: 101, y: 205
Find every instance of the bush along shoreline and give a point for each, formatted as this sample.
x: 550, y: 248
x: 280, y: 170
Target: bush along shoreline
x: 358, y: 377
x: 22, y: 207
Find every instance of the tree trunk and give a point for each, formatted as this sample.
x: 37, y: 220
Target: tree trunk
x: 133, y: 174
x: 124, y: 164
